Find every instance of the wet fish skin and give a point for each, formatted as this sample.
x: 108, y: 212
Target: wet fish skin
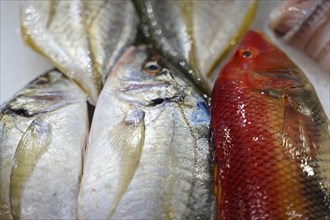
x: 147, y: 155
x: 81, y: 38
x: 305, y: 25
x: 42, y: 138
x: 109, y: 41
x: 194, y: 35
x: 171, y: 35
x: 271, y: 137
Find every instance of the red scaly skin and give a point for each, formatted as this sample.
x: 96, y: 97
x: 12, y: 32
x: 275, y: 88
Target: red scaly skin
x: 258, y: 178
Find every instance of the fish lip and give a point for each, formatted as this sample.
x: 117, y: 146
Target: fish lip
x: 136, y: 86
x: 158, y: 101
x: 175, y: 98
x: 46, y: 96
x: 126, y: 93
x: 21, y: 111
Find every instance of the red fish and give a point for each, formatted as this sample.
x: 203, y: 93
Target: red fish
x: 270, y: 136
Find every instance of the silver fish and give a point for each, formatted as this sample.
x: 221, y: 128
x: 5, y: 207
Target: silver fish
x: 306, y: 26
x: 42, y: 138
x: 195, y: 35
x: 81, y: 38
x: 147, y: 155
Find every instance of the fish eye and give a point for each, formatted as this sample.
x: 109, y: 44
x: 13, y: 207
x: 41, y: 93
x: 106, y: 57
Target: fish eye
x: 152, y: 68
x: 246, y: 53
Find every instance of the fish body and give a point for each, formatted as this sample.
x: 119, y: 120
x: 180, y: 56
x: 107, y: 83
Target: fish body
x: 81, y: 38
x: 271, y: 138
x: 147, y: 155
x: 195, y: 35
x: 306, y: 26
x: 42, y: 138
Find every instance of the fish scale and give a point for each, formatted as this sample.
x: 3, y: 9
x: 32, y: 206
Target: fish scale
x: 41, y: 127
x: 172, y: 178
x: 81, y: 38
x: 271, y: 138
x: 195, y: 35
x: 241, y: 160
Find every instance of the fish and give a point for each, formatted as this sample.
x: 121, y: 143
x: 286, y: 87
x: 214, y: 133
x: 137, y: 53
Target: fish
x: 147, y: 155
x: 81, y: 38
x: 270, y: 137
x: 43, y: 134
x: 304, y: 25
x: 195, y: 35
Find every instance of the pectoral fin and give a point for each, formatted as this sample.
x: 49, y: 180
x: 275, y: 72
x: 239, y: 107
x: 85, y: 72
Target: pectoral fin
x: 33, y: 144
x: 128, y: 139
x: 306, y: 133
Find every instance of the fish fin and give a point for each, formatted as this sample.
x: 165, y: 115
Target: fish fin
x: 62, y: 23
x: 211, y: 45
x: 216, y: 180
x: 33, y: 144
x: 306, y: 133
x: 105, y: 52
x: 128, y: 139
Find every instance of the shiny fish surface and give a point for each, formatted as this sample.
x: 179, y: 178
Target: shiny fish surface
x: 195, y: 35
x: 43, y: 133
x: 271, y: 138
x: 81, y: 38
x: 306, y: 26
x: 147, y: 155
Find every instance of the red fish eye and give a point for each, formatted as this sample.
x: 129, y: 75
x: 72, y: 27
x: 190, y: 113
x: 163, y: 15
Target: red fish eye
x: 246, y: 54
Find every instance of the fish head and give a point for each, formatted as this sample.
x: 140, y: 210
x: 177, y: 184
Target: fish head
x: 46, y: 93
x: 259, y: 64
x: 144, y: 78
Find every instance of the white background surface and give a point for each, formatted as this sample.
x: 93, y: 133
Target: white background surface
x: 19, y: 64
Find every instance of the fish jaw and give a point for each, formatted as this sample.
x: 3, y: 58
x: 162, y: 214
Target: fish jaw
x: 271, y: 138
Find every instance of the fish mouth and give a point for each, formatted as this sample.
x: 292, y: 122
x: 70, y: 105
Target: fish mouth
x: 29, y: 105
x: 159, y: 101
x: 47, y: 96
x: 143, y: 87
x: 157, y: 94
